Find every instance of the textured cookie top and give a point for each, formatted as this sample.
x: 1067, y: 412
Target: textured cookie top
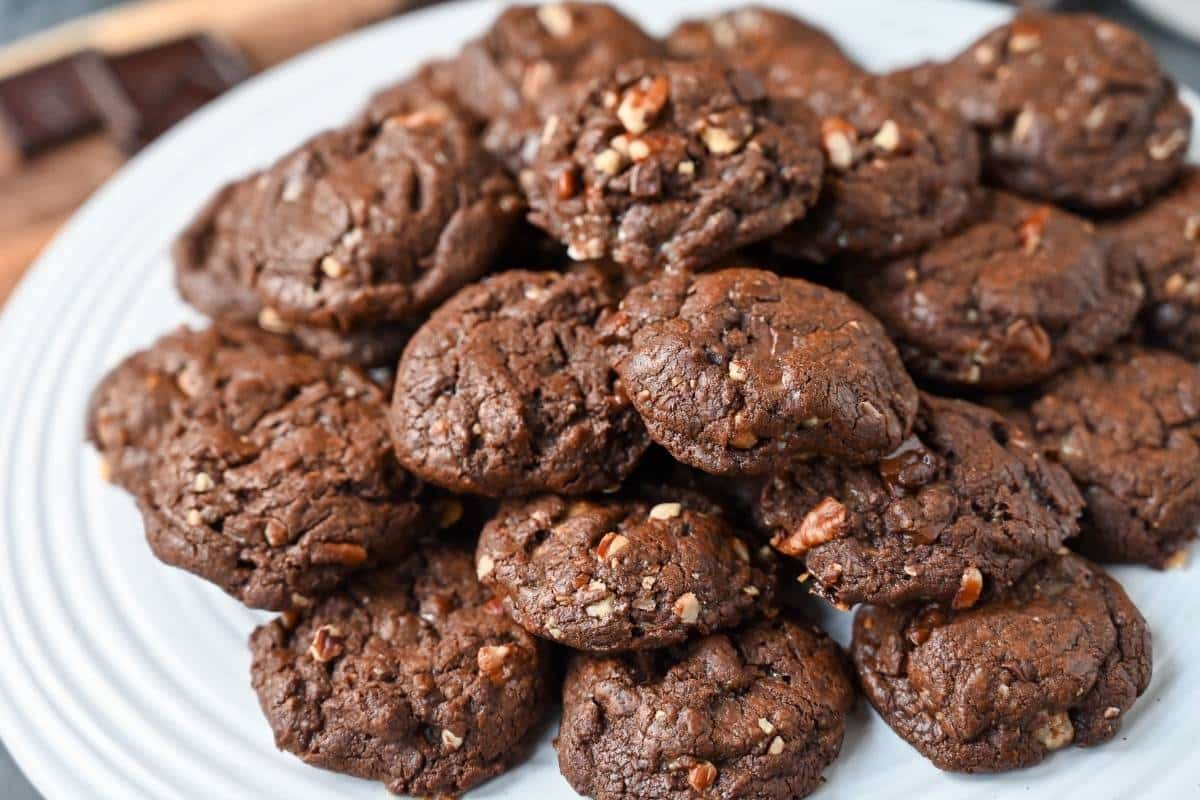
x: 964, y: 507
x: 1021, y: 293
x: 1127, y: 429
x: 763, y: 707
x: 533, y: 52
x: 266, y: 471
x: 1164, y: 241
x: 1074, y: 109
x: 408, y: 676
x: 670, y: 164
x: 359, y: 226
x: 621, y: 574
x: 753, y: 37
x: 1057, y: 660
x: 738, y: 371
x: 506, y: 390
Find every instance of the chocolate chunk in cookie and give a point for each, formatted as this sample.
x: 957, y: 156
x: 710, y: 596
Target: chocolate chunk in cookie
x: 758, y: 712
x: 1072, y: 108
x: 754, y: 36
x: 621, y: 574
x: 411, y: 675
x: 1164, y: 241
x: 1022, y: 293
x: 671, y: 164
x: 256, y: 467
x: 740, y: 371
x: 360, y: 227
x: 1127, y: 428
x: 1057, y: 660
x: 964, y: 507
x: 506, y: 390
x: 532, y: 52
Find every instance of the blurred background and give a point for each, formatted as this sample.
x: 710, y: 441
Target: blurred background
x: 84, y: 84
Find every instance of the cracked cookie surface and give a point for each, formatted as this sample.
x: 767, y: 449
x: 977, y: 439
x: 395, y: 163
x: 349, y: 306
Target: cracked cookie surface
x: 506, y: 390
x: 755, y: 713
x: 1023, y: 292
x: 670, y: 164
x: 739, y: 371
x: 622, y: 574
x: 410, y: 675
x: 1072, y: 109
x: 755, y: 37
x: 1127, y: 429
x: 256, y: 467
x: 963, y: 508
x: 1056, y: 661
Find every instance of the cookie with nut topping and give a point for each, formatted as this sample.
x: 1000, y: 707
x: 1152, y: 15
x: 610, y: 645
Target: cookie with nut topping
x: 508, y: 391
x: 671, y: 164
x: 740, y: 371
x: 257, y: 467
x: 1023, y: 292
x: 1127, y: 429
x: 1163, y: 239
x: 961, y: 509
x: 361, y: 227
x: 411, y: 675
x: 618, y: 573
x: 757, y: 712
x: 755, y: 36
x: 1072, y: 108
x: 1057, y: 660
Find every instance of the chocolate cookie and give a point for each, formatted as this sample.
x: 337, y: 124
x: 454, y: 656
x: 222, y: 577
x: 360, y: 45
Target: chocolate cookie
x: 1072, y: 108
x: 740, y: 371
x: 1164, y: 241
x: 1127, y: 428
x: 360, y: 227
x: 506, y: 390
x: 410, y: 675
x: 671, y: 164
x: 756, y: 713
x: 621, y: 574
x: 1022, y: 293
x: 266, y: 472
x: 964, y: 507
x: 1056, y: 660
x: 753, y: 37
x: 532, y: 52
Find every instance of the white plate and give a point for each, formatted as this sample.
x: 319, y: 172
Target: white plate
x: 1180, y: 16
x: 123, y: 679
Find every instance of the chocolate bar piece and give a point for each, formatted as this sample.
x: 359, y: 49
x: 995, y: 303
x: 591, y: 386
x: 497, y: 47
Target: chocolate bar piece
x: 160, y: 85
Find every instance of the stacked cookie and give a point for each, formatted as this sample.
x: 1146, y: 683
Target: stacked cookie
x: 448, y: 444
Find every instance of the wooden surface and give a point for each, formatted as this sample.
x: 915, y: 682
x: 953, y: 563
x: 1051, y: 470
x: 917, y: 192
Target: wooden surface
x: 41, y: 195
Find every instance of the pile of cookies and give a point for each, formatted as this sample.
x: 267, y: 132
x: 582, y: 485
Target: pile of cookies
x: 589, y: 351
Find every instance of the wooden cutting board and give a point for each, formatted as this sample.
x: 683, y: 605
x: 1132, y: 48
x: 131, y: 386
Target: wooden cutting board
x: 42, y: 193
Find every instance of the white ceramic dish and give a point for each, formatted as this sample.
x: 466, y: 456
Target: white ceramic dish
x: 1180, y: 16
x: 123, y: 679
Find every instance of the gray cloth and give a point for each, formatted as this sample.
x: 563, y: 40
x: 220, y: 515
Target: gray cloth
x: 20, y: 17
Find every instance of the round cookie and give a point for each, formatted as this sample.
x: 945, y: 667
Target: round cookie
x: 740, y: 371
x: 1072, y: 109
x: 755, y: 713
x: 621, y: 574
x: 670, y: 164
x: 1164, y: 241
x: 1056, y: 661
x: 1127, y: 429
x: 961, y: 509
x: 532, y: 52
x: 359, y: 227
x: 752, y: 36
x: 507, y: 391
x: 267, y: 473
x: 1022, y: 293
x: 410, y: 675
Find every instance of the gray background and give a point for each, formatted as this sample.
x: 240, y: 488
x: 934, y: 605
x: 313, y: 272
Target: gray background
x: 21, y: 17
